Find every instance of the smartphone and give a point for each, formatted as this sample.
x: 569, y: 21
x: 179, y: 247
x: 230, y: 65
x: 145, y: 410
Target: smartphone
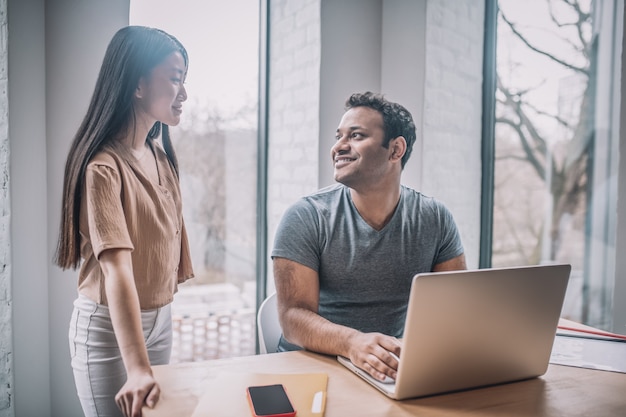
x: 270, y: 401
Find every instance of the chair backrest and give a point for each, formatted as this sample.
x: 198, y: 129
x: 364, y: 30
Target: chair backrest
x: 268, y: 326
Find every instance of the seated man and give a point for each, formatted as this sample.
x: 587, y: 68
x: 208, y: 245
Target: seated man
x: 344, y: 257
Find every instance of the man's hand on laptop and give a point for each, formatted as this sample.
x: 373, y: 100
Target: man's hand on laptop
x: 376, y: 353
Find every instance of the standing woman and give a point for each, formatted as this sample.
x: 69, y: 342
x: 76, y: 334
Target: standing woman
x: 122, y: 223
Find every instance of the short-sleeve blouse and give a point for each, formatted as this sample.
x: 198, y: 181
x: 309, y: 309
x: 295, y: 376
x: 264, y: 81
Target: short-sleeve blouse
x: 121, y: 208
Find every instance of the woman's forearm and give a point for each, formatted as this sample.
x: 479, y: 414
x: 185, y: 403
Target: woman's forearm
x: 124, y: 308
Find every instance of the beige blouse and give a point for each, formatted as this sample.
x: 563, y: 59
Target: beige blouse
x: 121, y: 208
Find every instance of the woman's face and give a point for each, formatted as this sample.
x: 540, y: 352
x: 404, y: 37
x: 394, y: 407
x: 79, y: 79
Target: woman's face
x: 160, y: 96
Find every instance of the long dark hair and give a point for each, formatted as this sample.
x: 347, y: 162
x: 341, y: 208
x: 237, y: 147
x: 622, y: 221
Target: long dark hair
x: 132, y: 54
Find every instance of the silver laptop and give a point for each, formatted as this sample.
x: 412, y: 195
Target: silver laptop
x: 468, y: 329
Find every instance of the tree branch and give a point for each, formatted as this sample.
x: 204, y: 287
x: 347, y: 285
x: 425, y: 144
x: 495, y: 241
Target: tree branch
x: 539, y: 168
x: 558, y: 119
x: 515, y: 103
x: 541, y: 52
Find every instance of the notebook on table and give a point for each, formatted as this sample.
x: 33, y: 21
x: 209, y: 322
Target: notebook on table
x: 474, y: 328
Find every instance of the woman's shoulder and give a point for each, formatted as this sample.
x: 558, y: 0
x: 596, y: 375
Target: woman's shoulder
x: 107, y: 157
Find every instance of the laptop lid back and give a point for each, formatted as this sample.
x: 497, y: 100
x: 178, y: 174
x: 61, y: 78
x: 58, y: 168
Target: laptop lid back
x: 466, y: 329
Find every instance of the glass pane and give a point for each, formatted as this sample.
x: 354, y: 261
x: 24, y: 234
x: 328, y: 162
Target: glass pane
x: 556, y: 167
x: 216, y: 145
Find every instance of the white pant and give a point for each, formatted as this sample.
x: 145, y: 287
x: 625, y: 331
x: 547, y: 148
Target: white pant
x: 99, y: 372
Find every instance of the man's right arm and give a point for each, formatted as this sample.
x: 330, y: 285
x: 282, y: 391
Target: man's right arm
x: 297, y: 288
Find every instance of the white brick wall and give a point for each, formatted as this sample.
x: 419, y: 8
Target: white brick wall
x: 451, y: 158
x: 6, y: 361
x: 294, y: 105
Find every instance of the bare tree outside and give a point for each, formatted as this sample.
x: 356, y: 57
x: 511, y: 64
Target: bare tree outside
x: 545, y: 137
x: 214, y: 312
x: 200, y: 146
x: 543, y: 147
x: 217, y: 157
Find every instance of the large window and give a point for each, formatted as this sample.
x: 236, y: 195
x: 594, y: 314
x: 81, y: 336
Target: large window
x: 216, y: 144
x: 556, y: 145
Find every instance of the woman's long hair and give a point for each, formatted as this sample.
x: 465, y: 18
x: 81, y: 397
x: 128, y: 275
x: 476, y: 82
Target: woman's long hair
x: 132, y: 53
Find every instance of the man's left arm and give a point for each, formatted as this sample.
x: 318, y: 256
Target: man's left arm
x: 449, y: 244
x: 453, y: 264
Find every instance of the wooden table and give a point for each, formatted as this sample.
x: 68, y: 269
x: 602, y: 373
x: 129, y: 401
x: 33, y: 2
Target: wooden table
x: 563, y: 391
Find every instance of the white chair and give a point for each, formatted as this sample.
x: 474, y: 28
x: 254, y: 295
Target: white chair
x: 268, y: 326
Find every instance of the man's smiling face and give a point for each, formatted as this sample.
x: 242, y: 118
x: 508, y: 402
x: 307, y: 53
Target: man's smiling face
x: 358, y: 154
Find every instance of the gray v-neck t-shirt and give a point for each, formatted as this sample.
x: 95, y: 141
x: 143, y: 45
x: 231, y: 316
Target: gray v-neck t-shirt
x: 365, y: 274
